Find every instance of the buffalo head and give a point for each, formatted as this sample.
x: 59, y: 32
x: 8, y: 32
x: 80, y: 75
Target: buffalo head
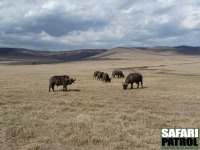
x: 71, y: 80
x: 125, y: 85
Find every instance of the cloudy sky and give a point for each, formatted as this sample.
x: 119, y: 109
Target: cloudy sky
x: 79, y: 24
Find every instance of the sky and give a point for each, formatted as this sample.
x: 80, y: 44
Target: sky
x: 58, y: 25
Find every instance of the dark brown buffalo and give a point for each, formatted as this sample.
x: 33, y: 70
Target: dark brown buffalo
x: 100, y: 75
x: 118, y: 73
x: 95, y: 74
x: 106, y: 78
x: 60, y: 80
x: 133, y: 78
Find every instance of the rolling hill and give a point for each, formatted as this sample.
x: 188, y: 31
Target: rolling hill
x: 26, y: 56
x: 148, y: 52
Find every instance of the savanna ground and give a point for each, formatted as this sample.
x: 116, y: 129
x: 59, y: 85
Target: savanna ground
x: 95, y: 115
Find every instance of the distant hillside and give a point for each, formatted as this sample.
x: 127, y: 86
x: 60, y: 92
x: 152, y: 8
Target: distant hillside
x: 184, y: 50
x: 188, y: 50
x: 118, y: 53
x: 144, y: 52
x: 25, y: 55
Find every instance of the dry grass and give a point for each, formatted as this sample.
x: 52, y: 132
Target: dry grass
x: 92, y: 114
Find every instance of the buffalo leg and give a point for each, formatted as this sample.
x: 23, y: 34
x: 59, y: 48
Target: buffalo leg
x: 49, y: 87
x: 64, y: 88
x: 131, y: 85
x: 138, y: 85
x: 53, y: 87
x: 141, y: 84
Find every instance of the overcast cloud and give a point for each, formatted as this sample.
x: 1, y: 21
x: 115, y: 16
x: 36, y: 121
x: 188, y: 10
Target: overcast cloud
x: 79, y: 24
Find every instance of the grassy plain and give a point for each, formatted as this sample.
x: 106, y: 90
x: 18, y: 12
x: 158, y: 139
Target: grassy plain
x: 95, y: 115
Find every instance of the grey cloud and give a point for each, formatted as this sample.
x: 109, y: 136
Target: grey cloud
x: 56, y: 22
x: 59, y: 26
x: 68, y: 24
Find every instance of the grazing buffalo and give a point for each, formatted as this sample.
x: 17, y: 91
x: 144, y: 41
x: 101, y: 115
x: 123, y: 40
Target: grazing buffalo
x: 106, y: 78
x: 118, y: 73
x: 133, y: 78
x: 60, y: 80
x: 100, y: 75
x: 95, y: 74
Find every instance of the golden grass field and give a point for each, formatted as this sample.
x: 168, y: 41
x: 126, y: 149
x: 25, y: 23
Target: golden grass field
x: 95, y: 115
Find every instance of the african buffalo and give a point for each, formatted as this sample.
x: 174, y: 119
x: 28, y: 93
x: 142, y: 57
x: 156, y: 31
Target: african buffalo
x: 100, y: 75
x: 60, y: 80
x: 106, y: 78
x: 118, y: 73
x: 95, y: 74
x: 133, y: 78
